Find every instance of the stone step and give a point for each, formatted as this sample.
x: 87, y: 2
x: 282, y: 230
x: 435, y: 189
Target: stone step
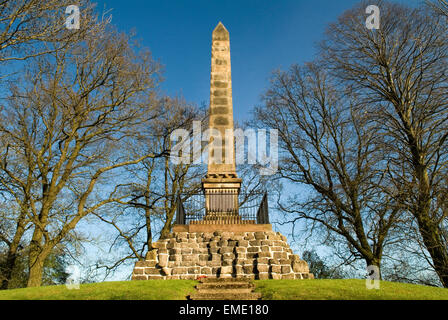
x: 226, y: 296
x: 221, y: 280
x: 224, y: 290
x: 225, y: 285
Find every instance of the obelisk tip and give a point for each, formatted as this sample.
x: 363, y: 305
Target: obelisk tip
x: 220, y: 32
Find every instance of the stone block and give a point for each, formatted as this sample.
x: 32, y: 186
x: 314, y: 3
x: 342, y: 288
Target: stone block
x: 153, y: 271
x: 253, y: 249
x: 226, y: 250
x: 138, y: 270
x: 240, y: 256
x: 203, y: 257
x: 152, y: 255
x: 227, y: 262
x: 206, y: 270
x: 213, y: 244
x: 187, y: 251
x: 226, y: 270
x: 255, y: 243
x: 167, y: 271
x: 248, y: 269
x: 143, y: 264
x: 280, y: 255
x: 238, y: 269
x: 139, y: 277
x: 260, y: 235
x: 222, y: 243
x: 240, y: 250
x: 262, y: 268
x: 243, y: 243
x: 179, y: 270
x: 213, y: 263
x: 159, y: 245
x: 193, y: 270
x: 264, y: 255
x: 263, y: 276
x: 230, y: 256
x: 214, y: 250
x: 267, y: 243
x: 163, y: 260
x: 289, y: 276
x: 249, y: 236
x: 232, y: 243
x: 300, y: 266
x: 182, y: 235
x: 273, y: 236
x: 286, y: 269
x: 276, y: 269
x: 215, y: 257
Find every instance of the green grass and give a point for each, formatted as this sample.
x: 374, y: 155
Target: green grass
x: 119, y: 290
x: 347, y: 289
x: 352, y: 289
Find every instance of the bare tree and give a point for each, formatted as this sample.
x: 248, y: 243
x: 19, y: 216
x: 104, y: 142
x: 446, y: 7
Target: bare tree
x: 440, y: 6
x: 29, y: 28
x: 328, y: 146
x: 152, y: 185
x: 65, y: 126
x: 402, y: 70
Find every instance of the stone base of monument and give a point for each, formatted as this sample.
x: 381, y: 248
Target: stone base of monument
x: 262, y: 254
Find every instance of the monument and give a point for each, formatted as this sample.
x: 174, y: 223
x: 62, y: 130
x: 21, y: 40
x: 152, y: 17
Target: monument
x: 222, y: 244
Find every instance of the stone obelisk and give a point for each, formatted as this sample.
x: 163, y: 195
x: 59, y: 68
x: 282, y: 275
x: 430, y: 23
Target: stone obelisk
x: 222, y: 245
x: 221, y: 184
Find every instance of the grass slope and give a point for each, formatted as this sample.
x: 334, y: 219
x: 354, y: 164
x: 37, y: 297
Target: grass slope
x: 353, y: 289
x: 117, y: 290
x: 347, y: 289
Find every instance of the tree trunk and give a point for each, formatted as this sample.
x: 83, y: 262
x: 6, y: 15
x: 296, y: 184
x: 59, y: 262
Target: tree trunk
x: 377, y: 263
x: 8, y: 268
x: 38, y: 254
x: 12, y: 252
x: 435, y: 246
x: 36, y: 272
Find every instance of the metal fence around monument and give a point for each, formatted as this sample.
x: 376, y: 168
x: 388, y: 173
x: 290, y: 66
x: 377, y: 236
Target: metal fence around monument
x: 252, y: 207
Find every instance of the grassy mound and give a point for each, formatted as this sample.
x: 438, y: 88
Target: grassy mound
x: 352, y: 289
x: 117, y: 290
x: 347, y: 289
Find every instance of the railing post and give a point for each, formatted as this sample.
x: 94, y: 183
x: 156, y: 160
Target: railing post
x: 180, y: 211
x: 263, y: 211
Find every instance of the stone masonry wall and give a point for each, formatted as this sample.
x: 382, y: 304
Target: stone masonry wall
x: 254, y: 255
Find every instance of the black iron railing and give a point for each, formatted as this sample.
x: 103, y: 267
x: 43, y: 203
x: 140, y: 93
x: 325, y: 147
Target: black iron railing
x: 251, y: 207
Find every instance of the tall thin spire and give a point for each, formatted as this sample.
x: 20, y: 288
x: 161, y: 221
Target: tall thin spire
x: 221, y: 185
x: 221, y: 106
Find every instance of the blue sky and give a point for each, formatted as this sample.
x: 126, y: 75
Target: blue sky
x: 264, y: 34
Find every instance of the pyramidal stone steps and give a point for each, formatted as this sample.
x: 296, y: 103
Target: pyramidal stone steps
x: 225, y: 289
